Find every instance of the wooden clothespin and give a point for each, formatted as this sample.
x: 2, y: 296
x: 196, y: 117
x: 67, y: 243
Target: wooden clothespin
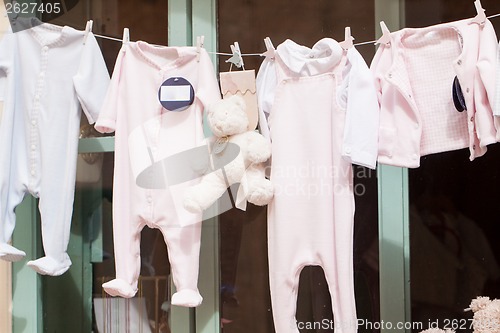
x: 200, y: 41
x: 386, y: 35
x: 236, y: 59
x: 480, y: 18
x: 270, y: 50
x: 347, y: 43
x: 126, y: 36
x: 88, y: 29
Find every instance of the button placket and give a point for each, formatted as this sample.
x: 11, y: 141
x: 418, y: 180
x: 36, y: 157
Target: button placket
x: 36, y: 110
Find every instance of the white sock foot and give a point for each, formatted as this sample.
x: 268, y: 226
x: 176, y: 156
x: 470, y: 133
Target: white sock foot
x: 119, y: 287
x: 50, y: 266
x: 10, y: 253
x: 188, y: 298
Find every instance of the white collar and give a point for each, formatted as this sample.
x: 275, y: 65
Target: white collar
x: 320, y: 59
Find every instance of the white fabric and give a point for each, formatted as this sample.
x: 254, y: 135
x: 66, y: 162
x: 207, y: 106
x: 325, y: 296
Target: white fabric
x: 47, y: 73
x: 357, y: 95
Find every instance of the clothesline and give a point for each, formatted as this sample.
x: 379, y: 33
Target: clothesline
x: 259, y: 54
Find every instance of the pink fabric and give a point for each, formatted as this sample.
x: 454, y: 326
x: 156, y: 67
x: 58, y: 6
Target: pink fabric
x: 414, y: 75
x: 310, y: 221
x: 146, y: 133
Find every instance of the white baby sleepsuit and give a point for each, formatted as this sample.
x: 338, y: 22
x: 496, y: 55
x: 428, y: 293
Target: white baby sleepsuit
x: 48, y: 72
x: 323, y: 116
x: 147, y: 134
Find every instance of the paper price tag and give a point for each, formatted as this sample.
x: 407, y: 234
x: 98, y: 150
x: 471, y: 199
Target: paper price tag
x: 176, y: 94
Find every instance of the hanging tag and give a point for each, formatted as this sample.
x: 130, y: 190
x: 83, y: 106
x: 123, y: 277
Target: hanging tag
x: 220, y: 144
x: 176, y: 94
x: 242, y: 83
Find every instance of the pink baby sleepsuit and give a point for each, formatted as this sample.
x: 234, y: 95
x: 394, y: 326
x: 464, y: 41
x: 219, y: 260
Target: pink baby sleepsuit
x: 48, y: 73
x: 323, y: 116
x: 147, y: 133
x: 414, y: 76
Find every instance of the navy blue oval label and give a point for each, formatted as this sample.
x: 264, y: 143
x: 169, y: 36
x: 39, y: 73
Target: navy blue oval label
x: 176, y: 94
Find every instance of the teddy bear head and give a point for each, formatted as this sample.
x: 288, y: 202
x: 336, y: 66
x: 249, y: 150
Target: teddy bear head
x: 227, y: 116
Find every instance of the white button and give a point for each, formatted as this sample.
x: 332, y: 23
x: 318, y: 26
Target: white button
x: 33, y: 122
x: 32, y: 172
x: 414, y: 156
x: 42, y: 74
x: 150, y: 200
x: 311, y: 56
x: 45, y: 48
x: 348, y: 150
x: 416, y: 126
x: 33, y: 147
x: 37, y: 97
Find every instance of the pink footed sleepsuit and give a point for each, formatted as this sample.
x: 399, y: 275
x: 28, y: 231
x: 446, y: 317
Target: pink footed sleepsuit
x: 147, y: 133
x: 323, y: 116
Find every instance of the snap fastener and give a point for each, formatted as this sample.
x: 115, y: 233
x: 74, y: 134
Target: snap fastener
x: 471, y: 118
x: 473, y: 147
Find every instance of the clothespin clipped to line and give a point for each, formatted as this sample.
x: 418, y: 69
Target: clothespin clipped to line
x: 386, y: 35
x: 270, y: 50
x: 88, y: 29
x: 236, y: 59
x: 126, y: 36
x: 200, y: 41
x: 481, y: 16
x: 347, y: 43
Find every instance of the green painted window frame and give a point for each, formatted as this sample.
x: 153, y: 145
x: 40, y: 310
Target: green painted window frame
x: 188, y: 19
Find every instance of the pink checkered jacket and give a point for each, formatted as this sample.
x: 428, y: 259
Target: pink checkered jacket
x: 414, y: 76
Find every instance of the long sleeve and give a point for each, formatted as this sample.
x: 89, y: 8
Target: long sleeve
x: 484, y: 85
x: 106, y: 123
x: 266, y: 82
x: 92, y: 79
x: 360, y: 144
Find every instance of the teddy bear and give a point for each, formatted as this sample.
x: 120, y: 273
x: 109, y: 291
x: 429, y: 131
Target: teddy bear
x: 486, y: 315
x: 236, y: 155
